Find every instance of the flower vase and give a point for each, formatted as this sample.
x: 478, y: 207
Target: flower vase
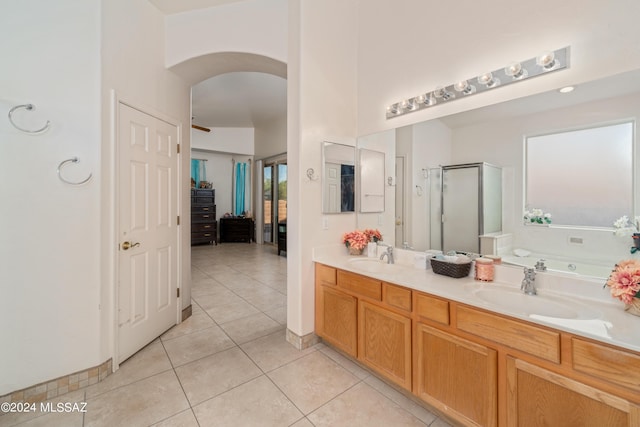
x: 634, y: 307
x: 354, y: 251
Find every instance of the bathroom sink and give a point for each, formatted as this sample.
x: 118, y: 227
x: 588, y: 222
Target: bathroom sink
x: 515, y: 301
x: 372, y: 265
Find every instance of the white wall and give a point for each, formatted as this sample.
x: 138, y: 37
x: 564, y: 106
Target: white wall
x: 254, y: 26
x: 271, y: 138
x: 225, y: 140
x: 501, y: 143
x: 321, y: 105
x: 412, y: 46
x: 50, y: 245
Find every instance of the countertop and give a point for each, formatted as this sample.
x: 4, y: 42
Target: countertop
x: 608, y: 322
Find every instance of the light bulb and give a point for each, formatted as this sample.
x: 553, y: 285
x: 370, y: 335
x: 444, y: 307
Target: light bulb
x: 409, y: 104
x: 441, y: 92
x: 426, y: 99
x: 464, y: 87
x: 516, y: 71
x: 488, y: 80
x: 547, y: 61
x: 393, y: 109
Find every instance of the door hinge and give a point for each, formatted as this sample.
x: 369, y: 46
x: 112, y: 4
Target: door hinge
x: 178, y: 147
x: 178, y: 219
x: 178, y: 292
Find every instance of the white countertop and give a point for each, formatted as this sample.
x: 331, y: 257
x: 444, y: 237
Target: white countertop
x: 609, y: 323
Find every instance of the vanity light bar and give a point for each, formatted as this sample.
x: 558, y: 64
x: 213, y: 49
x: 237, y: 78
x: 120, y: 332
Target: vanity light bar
x: 518, y: 71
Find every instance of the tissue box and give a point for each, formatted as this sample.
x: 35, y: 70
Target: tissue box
x: 450, y: 269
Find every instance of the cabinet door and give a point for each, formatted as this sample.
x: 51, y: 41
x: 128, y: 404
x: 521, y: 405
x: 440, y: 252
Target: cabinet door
x: 336, y: 318
x: 538, y: 397
x: 385, y: 343
x: 456, y: 376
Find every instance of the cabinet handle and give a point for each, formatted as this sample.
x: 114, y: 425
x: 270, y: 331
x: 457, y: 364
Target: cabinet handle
x: 205, y: 209
x: 207, y: 235
x: 205, y: 216
x: 207, y: 226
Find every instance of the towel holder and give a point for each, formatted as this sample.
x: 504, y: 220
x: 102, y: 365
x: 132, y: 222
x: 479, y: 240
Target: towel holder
x: 62, y: 164
x: 28, y: 107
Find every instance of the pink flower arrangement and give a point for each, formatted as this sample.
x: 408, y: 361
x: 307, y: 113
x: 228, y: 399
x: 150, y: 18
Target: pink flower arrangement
x: 373, y: 235
x: 356, y: 239
x: 624, y: 281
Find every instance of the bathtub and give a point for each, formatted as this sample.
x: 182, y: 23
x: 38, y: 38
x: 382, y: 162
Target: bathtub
x: 558, y: 265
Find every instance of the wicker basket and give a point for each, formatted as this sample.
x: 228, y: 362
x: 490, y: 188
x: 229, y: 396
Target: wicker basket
x: 450, y: 269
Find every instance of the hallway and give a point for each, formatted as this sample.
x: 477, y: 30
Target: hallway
x: 229, y: 364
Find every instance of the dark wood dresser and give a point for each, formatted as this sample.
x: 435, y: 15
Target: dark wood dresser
x: 282, y: 237
x: 236, y: 230
x: 204, y: 228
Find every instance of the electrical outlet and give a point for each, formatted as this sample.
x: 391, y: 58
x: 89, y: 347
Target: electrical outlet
x: 575, y: 240
x: 325, y: 223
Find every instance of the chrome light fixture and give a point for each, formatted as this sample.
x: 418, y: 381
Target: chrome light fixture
x: 513, y: 73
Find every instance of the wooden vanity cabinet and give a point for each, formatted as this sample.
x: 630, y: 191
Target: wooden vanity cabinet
x: 456, y: 376
x: 384, y: 342
x: 336, y: 314
x: 539, y: 397
x: 477, y: 367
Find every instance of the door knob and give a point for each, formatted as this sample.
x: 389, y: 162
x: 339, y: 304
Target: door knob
x: 127, y: 245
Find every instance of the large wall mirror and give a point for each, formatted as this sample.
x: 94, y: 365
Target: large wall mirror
x: 338, y: 178
x: 496, y: 135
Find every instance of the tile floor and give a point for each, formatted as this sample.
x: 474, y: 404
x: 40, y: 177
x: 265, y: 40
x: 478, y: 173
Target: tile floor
x: 229, y: 364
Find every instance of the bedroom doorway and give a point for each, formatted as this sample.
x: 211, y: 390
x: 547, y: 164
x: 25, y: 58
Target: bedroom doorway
x: 274, y: 198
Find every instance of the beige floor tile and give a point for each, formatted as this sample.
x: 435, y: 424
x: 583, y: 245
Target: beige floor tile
x: 400, y: 399
x: 197, y: 322
x: 183, y: 419
x: 440, y: 423
x: 257, y: 403
x: 251, y: 327
x: 362, y: 406
x: 312, y: 381
x: 272, y: 351
x: 211, y: 287
x: 142, y: 403
x: 232, y: 311
x: 279, y: 314
x: 266, y: 299
x: 345, y: 362
x: 216, y: 299
x: 59, y: 419
x: 303, y: 423
x: 197, y: 345
x: 15, y: 418
x: 149, y: 361
x: 216, y: 374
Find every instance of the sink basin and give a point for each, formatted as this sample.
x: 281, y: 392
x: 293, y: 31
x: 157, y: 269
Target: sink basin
x: 372, y: 265
x: 515, y: 301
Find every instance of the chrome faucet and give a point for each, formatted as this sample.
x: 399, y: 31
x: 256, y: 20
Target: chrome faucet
x: 540, y: 265
x: 528, y: 283
x: 389, y: 254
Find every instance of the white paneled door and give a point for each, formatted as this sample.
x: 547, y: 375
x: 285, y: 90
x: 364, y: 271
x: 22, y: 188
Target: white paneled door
x: 147, y: 229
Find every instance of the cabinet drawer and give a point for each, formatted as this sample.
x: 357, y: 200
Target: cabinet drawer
x: 363, y: 286
x: 325, y: 275
x: 617, y: 366
x: 396, y: 296
x: 203, y: 209
x: 432, y: 308
x: 207, y: 228
x: 203, y: 217
x: 519, y: 335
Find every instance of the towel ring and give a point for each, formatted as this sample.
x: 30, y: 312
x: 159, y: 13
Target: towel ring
x: 28, y: 107
x: 72, y: 160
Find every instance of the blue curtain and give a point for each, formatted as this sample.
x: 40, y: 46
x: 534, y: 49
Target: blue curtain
x: 198, y: 171
x: 241, y: 170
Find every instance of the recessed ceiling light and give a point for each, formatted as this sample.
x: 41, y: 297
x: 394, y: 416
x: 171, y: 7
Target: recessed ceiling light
x: 566, y: 89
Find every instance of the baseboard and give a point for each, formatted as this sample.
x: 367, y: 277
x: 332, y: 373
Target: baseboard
x: 187, y: 312
x: 302, y: 342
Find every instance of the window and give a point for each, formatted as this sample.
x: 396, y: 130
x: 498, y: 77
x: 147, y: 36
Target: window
x: 583, y: 177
